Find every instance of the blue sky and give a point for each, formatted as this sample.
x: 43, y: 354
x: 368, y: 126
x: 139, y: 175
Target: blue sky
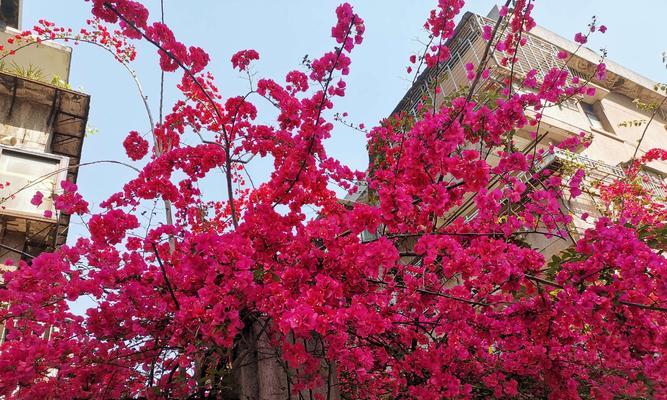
x: 283, y: 32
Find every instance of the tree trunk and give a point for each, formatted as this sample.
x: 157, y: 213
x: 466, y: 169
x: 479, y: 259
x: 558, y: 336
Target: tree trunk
x: 260, y: 373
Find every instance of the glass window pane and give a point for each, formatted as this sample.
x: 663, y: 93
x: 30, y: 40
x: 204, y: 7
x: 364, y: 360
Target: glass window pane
x: 592, y: 116
x: 26, y: 174
x: 9, y: 13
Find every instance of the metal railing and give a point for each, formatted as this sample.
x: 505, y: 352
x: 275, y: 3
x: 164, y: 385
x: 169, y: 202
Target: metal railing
x: 652, y: 183
x: 467, y: 46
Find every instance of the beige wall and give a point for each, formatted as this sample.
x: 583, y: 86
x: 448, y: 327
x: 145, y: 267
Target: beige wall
x: 615, y: 144
x: 27, y: 126
x: 52, y: 59
x: 620, y: 146
x: 567, y: 117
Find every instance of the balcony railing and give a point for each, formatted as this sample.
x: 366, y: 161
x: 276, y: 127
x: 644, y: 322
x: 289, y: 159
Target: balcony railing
x: 467, y: 46
x: 652, y: 183
x: 605, y: 171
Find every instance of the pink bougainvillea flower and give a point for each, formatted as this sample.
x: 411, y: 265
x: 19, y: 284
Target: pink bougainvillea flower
x: 241, y: 59
x: 135, y: 146
x: 401, y: 291
x: 580, y: 38
x: 37, y: 198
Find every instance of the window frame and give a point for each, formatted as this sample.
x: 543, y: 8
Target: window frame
x: 62, y: 167
x: 594, y: 113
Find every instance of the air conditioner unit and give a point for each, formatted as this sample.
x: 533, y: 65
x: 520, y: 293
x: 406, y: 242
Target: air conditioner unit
x: 24, y: 173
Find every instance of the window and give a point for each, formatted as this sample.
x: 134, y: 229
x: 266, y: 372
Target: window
x: 9, y: 13
x: 22, y: 174
x: 593, y: 117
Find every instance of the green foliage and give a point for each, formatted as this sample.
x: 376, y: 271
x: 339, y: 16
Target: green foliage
x: 654, y: 236
x: 568, y: 255
x: 648, y: 107
x: 57, y: 81
x: 31, y: 72
x: 632, y: 123
x: 91, y: 130
x: 660, y: 87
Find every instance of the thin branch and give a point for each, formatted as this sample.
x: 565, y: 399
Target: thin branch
x: 485, y: 60
x: 42, y: 178
x: 514, y: 57
x: 429, y: 292
x: 161, y: 70
x: 216, y: 109
x: 626, y: 303
x: 641, y: 139
x: 339, y: 51
x: 164, y: 275
x: 643, y: 306
x: 15, y: 250
x: 467, y: 234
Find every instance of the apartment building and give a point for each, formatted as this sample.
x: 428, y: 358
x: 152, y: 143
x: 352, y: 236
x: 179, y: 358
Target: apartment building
x: 42, y: 128
x: 611, y: 117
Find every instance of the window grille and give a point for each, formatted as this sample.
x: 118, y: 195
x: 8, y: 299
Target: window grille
x: 537, y: 54
x: 466, y: 46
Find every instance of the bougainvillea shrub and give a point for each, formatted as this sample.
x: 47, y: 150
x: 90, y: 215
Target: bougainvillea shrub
x: 249, y: 296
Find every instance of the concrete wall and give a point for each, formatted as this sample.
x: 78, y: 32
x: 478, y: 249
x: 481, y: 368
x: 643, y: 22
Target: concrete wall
x: 618, y: 146
x: 24, y: 124
x: 22, y: 118
x: 51, y: 59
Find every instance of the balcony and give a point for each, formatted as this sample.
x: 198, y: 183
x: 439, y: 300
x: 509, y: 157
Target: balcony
x: 603, y: 171
x: 468, y: 46
x: 597, y: 170
x: 42, y: 128
x: 24, y: 227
